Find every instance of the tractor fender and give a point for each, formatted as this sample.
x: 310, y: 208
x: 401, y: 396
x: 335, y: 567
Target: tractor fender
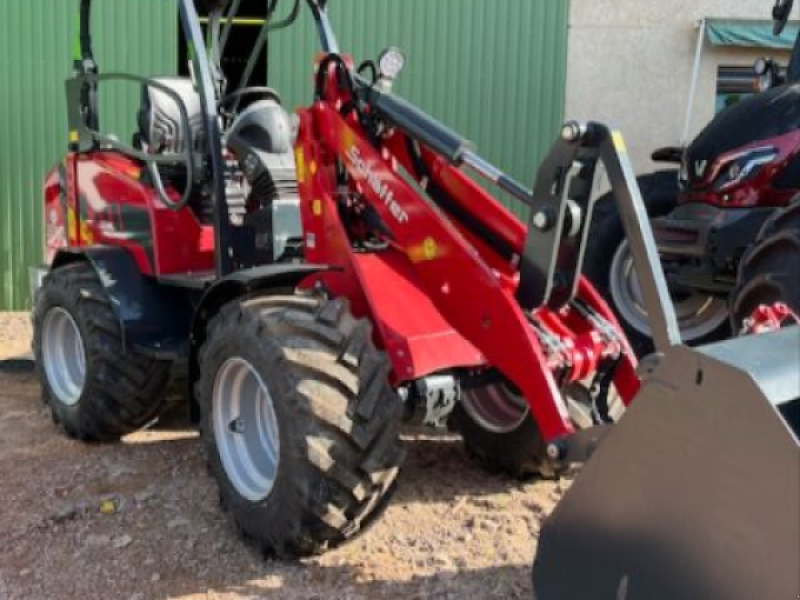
x: 154, y: 319
x: 277, y: 277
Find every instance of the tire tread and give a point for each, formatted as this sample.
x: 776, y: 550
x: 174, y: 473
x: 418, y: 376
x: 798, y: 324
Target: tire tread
x: 348, y: 418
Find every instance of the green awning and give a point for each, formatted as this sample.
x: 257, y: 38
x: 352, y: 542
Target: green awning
x: 750, y: 34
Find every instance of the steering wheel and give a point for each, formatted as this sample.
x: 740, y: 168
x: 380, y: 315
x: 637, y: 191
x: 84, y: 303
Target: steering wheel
x: 235, y: 97
x: 780, y: 15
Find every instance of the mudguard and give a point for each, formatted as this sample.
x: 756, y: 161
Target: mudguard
x: 282, y: 277
x: 154, y: 319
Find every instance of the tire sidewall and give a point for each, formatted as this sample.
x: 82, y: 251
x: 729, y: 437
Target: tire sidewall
x: 123, y: 389
x: 52, y: 296
x: 519, y: 452
x: 260, y: 519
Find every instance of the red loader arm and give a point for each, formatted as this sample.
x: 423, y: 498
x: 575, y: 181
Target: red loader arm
x: 460, y: 247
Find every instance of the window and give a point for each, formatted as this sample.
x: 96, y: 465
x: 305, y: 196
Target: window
x: 734, y: 84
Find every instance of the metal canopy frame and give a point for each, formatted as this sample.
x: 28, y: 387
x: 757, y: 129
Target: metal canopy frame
x: 205, y: 55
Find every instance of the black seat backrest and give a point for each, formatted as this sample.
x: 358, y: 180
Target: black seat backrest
x: 160, y: 125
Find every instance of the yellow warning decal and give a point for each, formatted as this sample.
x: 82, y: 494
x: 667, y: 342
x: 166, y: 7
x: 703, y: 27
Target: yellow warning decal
x: 428, y: 250
x: 431, y: 251
x: 619, y: 141
x: 82, y: 234
x: 71, y: 230
x: 316, y: 207
x: 74, y: 136
x: 300, y: 162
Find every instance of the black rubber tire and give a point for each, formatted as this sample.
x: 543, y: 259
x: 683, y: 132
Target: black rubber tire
x: 770, y: 270
x: 124, y: 390
x: 338, y: 420
x: 520, y: 453
x: 660, y: 193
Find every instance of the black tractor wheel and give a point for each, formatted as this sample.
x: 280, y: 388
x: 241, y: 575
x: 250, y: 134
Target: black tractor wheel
x: 770, y: 269
x: 608, y: 264
x: 96, y: 390
x: 499, y: 432
x: 299, y: 422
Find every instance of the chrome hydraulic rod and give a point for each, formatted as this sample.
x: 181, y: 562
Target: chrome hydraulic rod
x: 494, y: 175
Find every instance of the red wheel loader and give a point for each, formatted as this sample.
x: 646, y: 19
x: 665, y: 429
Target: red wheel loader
x: 322, y: 280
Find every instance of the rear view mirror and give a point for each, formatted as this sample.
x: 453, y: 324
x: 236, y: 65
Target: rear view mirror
x: 780, y: 15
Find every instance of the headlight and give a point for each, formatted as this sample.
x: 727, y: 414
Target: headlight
x: 743, y: 167
x: 390, y: 63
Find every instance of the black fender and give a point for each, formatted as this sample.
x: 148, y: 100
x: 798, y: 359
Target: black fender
x: 155, y: 319
x: 278, y: 277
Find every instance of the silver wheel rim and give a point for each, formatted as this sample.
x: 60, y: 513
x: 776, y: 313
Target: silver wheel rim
x: 698, y: 314
x: 245, y: 429
x: 495, y: 408
x: 63, y: 356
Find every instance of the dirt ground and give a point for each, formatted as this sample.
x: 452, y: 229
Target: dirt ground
x: 140, y: 519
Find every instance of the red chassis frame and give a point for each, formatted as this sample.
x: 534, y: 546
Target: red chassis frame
x: 439, y: 296
x: 102, y: 200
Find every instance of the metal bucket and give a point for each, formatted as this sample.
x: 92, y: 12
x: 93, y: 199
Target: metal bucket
x: 695, y: 495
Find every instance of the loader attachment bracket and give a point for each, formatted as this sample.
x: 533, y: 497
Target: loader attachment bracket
x: 558, y: 228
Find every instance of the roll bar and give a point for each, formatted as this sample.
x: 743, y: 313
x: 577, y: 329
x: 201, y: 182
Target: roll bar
x: 319, y: 8
x: 84, y: 45
x: 86, y: 76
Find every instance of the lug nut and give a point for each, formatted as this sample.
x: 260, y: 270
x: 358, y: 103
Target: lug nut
x: 572, y: 131
x: 553, y: 452
x: 236, y: 426
x: 542, y: 220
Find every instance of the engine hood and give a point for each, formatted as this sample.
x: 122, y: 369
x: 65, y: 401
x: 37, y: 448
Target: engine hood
x: 766, y: 115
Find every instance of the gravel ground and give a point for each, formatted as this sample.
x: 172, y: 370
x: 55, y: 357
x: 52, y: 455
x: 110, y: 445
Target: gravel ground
x: 140, y: 519
x: 15, y: 334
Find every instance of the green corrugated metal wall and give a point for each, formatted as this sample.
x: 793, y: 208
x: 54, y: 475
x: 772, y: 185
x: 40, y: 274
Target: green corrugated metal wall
x: 492, y: 69
x: 35, y: 50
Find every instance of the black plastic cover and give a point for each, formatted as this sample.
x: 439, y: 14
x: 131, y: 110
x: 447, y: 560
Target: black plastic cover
x: 764, y: 116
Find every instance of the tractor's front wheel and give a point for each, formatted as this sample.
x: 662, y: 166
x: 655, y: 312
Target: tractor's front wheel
x: 95, y: 389
x: 609, y: 265
x: 299, y: 422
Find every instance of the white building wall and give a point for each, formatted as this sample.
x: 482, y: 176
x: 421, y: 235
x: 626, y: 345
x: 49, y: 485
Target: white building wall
x: 630, y: 64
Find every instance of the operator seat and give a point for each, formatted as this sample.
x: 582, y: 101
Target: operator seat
x: 160, y: 125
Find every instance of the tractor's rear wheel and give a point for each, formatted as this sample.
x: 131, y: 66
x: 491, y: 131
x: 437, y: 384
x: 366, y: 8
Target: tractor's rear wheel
x: 299, y: 422
x: 770, y: 270
x: 499, y: 431
x: 96, y: 390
